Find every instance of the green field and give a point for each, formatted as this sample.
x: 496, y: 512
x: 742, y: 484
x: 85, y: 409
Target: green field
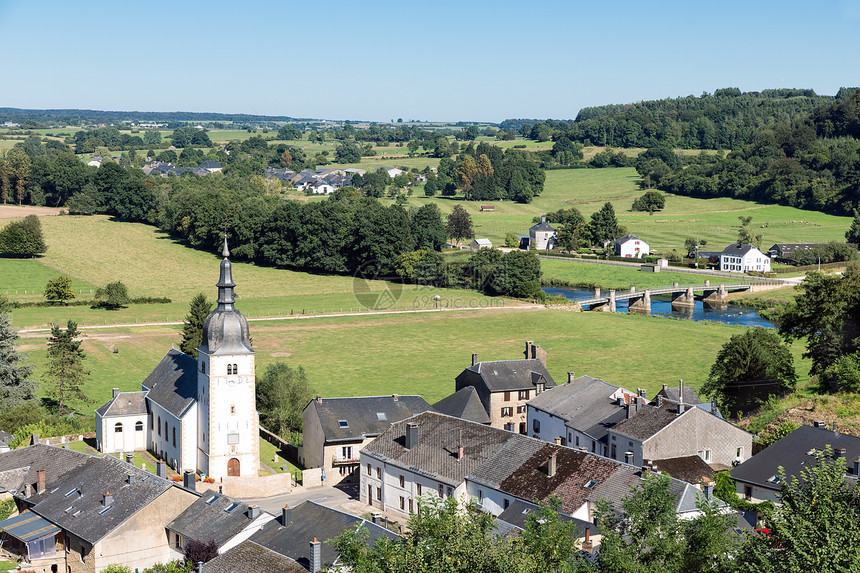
x: 423, y: 353
x: 621, y: 277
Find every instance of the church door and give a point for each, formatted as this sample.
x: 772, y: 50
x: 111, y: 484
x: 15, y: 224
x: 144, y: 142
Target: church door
x: 233, y: 467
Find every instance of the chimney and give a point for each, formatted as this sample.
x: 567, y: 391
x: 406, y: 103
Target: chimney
x: 557, y: 440
x: 857, y: 467
x: 319, y: 399
x: 34, y: 440
x: 460, y: 452
x: 627, y: 411
x: 286, y: 516
x: 628, y: 458
x: 188, y: 480
x: 834, y: 426
x: 395, y: 397
x: 839, y: 453
x: 253, y: 511
x: 587, y: 545
x: 161, y: 469
x: 681, y: 390
x: 636, y: 403
x: 129, y: 458
x: 28, y: 490
x: 708, y: 486
x: 129, y: 479
x: 411, y: 435
x: 818, y: 423
x: 570, y: 377
x: 551, y: 464
x: 115, y: 392
x: 644, y: 393
x: 530, y: 349
x: 665, y: 387
x: 680, y: 408
x: 40, y: 481
x: 474, y: 359
x: 376, y: 517
x: 659, y: 401
x: 107, y: 499
x: 315, y: 560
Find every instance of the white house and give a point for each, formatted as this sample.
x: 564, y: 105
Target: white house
x: 122, y: 423
x: 631, y: 246
x: 478, y: 244
x: 542, y: 236
x: 738, y: 258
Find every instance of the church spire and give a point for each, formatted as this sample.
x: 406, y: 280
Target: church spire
x: 225, y: 283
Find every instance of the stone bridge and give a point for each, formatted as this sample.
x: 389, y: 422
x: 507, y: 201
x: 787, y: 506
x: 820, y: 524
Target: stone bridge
x: 682, y: 297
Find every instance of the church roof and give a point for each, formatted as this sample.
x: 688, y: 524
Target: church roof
x: 226, y: 329
x: 173, y: 383
x: 124, y: 404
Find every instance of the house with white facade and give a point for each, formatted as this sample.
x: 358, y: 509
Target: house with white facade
x: 542, y: 236
x: 631, y: 246
x: 739, y: 258
x: 478, y: 244
x: 197, y: 415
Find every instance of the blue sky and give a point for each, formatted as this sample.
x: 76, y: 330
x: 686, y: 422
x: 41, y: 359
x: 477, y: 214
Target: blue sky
x: 442, y: 60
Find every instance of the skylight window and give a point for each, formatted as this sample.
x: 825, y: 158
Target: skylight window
x: 590, y: 484
x: 381, y: 416
x: 71, y: 492
x: 343, y: 423
x: 68, y: 509
x: 105, y: 510
x: 77, y: 513
x: 773, y: 479
x: 211, y: 499
x: 232, y: 506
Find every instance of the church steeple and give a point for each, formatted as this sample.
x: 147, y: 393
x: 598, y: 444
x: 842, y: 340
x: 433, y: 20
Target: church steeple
x: 225, y: 283
x: 226, y: 330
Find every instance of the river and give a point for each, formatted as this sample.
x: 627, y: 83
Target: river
x: 661, y: 306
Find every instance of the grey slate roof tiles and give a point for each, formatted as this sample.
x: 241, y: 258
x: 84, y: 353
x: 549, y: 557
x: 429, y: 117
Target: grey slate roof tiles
x: 249, y: 556
x: 691, y: 469
x: 649, y: 421
x: 364, y: 415
x: 518, y: 512
x: 505, y: 375
x: 311, y: 520
x: 208, y: 518
x: 584, y: 404
x: 673, y: 393
x: 173, y: 383
x: 125, y: 404
x: 463, y: 403
x: 737, y: 250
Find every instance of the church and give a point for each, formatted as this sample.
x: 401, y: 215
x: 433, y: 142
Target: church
x: 198, y: 415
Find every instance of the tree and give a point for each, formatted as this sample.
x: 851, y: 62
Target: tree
x: 282, y: 395
x: 466, y: 172
x: 19, y: 162
x: 84, y: 202
x: 192, y: 330
x: 200, y: 552
x: 428, y: 230
x: 604, y: 225
x: 651, y: 201
x: 152, y: 137
x: 519, y: 275
x: 65, y: 371
x: 518, y: 189
x: 852, y: 235
x: 347, y: 152
x: 112, y: 295
x: 746, y: 236
x: 15, y: 385
x: 826, y: 316
x: 412, y: 147
x: 116, y: 568
x: 59, y: 289
x: 23, y: 238
x: 459, y: 224
x: 691, y: 244
x: 286, y: 158
x: 750, y: 368
x: 512, y: 241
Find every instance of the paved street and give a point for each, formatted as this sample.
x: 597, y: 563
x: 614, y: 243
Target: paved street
x: 337, y: 497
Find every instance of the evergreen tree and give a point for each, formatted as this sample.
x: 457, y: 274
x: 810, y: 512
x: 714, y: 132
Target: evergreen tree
x: 65, y: 371
x: 192, y: 331
x: 428, y: 229
x: 852, y: 235
x: 604, y: 225
x: 15, y: 386
x: 282, y: 395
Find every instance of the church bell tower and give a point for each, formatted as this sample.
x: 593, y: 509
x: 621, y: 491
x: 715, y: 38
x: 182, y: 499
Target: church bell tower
x: 228, y: 426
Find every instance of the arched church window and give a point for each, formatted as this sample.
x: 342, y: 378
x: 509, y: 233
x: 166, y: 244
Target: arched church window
x: 235, y: 369
x: 229, y: 369
x: 203, y: 367
x: 159, y: 425
x: 174, y: 436
x: 138, y: 426
x: 118, y: 428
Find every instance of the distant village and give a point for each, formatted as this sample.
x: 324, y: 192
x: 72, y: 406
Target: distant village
x: 507, y: 437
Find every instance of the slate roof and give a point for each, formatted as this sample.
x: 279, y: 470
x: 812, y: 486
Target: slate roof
x: 209, y: 518
x: 465, y: 404
x: 75, y: 485
x: 584, y: 404
x: 542, y: 226
x: 210, y: 164
x: 365, y: 416
x: 249, y: 556
x: 794, y: 452
x: 438, y: 439
x: 173, y: 383
x: 309, y: 520
x: 737, y: 250
x: 125, y: 404
x: 22, y: 465
x: 691, y: 469
x: 625, y: 238
x: 648, y: 421
x: 506, y: 375
x: 621, y: 482
x: 788, y: 249
x: 517, y: 515
x: 673, y: 393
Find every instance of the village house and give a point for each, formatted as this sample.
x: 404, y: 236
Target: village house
x: 542, y: 236
x: 631, y: 246
x: 335, y: 429
x: 788, y: 252
x: 81, y: 513
x: 669, y: 430
x: 505, y: 386
x: 738, y: 258
x: 478, y: 244
x: 758, y: 479
x: 249, y: 556
x: 197, y: 415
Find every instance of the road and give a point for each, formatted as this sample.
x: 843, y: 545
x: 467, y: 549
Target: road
x: 337, y: 497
